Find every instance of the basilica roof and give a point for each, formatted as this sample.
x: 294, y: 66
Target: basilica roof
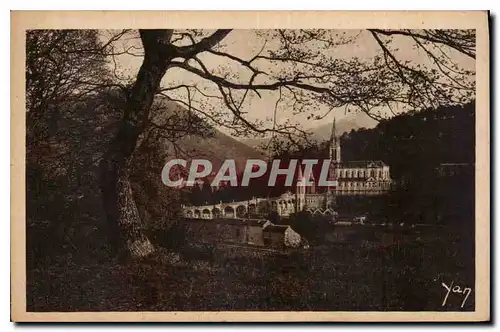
x: 357, y: 179
x: 362, y: 164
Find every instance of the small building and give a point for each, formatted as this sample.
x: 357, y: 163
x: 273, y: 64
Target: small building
x: 257, y: 232
x: 455, y: 169
x: 237, y: 231
x: 241, y: 231
x: 281, y: 236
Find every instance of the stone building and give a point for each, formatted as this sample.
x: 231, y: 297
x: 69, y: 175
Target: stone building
x: 367, y: 177
x: 455, y: 169
x: 237, y: 231
x: 353, y: 178
x: 281, y: 236
x: 253, y: 232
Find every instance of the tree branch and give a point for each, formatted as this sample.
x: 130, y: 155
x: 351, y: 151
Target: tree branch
x: 206, y: 43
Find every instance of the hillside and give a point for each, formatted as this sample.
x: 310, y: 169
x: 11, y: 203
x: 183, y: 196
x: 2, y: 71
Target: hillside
x: 418, y: 141
x: 64, y: 202
x: 157, y: 203
x: 343, y: 125
x: 219, y: 147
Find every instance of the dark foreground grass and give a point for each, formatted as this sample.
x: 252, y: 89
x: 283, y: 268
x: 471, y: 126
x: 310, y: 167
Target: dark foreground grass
x: 374, y: 270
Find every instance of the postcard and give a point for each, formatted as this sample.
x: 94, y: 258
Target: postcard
x: 250, y: 166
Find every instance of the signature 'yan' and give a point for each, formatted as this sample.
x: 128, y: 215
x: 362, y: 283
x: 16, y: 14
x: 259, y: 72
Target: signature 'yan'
x: 465, y: 292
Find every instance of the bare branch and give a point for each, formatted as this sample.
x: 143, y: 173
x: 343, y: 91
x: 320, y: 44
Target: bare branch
x: 206, y: 43
x: 462, y: 41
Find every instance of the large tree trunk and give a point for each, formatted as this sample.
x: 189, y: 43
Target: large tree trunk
x: 125, y: 227
x: 123, y: 218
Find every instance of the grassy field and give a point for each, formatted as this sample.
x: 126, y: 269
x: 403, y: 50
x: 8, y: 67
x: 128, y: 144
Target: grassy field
x: 353, y: 268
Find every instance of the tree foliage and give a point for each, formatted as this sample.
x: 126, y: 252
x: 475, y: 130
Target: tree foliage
x: 62, y: 67
x: 302, y: 68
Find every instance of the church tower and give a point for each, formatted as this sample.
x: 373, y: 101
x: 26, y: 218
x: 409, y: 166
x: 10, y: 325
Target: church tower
x: 300, y: 194
x: 334, y: 145
x: 334, y: 156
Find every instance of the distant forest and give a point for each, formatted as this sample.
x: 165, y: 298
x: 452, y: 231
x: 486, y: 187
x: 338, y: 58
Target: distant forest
x: 417, y: 142
x: 423, y: 148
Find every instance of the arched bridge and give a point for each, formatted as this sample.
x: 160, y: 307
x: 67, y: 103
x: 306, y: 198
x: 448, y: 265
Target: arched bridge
x: 284, y: 205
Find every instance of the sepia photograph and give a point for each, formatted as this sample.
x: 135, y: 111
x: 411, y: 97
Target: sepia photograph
x: 250, y: 166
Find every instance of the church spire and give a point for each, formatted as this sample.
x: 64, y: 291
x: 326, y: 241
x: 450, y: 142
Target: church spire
x: 300, y: 192
x: 334, y: 144
x: 333, y: 136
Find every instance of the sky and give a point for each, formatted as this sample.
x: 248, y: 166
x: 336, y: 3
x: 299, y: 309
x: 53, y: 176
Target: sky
x: 247, y: 43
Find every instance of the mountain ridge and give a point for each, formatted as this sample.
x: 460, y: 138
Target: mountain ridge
x: 323, y: 132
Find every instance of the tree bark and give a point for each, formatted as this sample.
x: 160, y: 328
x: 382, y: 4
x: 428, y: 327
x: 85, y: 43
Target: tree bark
x: 125, y: 226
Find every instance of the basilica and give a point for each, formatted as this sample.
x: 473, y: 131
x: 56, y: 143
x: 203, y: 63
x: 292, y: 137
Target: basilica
x: 351, y: 178
x: 345, y: 178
